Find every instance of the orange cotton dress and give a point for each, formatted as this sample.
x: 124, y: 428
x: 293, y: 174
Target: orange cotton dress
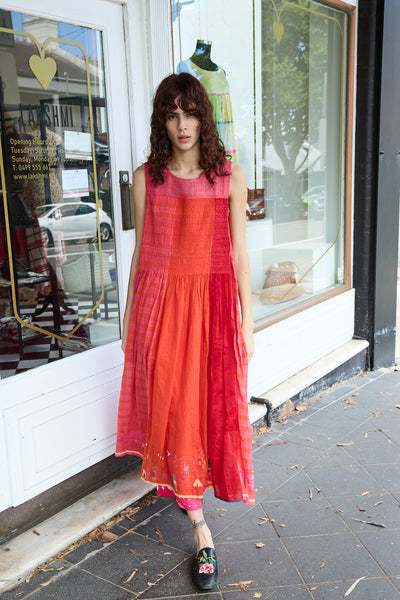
x: 183, y: 405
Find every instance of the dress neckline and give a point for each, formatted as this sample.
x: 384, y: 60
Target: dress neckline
x: 184, y: 178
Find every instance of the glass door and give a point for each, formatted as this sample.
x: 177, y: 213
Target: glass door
x: 58, y: 223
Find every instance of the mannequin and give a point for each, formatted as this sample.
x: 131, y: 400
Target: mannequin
x: 201, y: 56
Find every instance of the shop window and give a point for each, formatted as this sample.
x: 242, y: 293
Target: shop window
x: 275, y: 72
x: 57, y: 255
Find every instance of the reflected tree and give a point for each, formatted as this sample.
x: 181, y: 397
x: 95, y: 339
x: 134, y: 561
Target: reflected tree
x: 294, y: 65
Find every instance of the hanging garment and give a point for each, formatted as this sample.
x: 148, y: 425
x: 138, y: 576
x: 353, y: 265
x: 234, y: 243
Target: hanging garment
x: 217, y: 87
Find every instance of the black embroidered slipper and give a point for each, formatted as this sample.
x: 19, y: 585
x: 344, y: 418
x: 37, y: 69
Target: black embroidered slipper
x: 205, y: 569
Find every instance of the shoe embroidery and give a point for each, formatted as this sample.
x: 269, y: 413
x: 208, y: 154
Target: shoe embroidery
x: 207, y: 563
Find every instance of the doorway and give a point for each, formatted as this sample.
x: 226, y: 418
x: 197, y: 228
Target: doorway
x: 65, y: 135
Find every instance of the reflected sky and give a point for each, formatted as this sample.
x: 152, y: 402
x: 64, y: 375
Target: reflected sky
x: 82, y: 35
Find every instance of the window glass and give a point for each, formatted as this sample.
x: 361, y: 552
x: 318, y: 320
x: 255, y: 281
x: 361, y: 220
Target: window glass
x: 275, y: 72
x: 57, y: 256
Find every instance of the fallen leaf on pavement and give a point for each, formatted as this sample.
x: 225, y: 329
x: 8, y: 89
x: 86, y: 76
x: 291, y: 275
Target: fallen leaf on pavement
x: 282, y: 525
x: 36, y: 532
x: 322, y: 566
x: 378, y: 503
x: 137, y: 554
x: 300, y: 408
x: 350, y: 401
x: 241, y: 584
x: 351, y: 588
x: 309, y: 439
x: 107, y: 536
x: 257, y: 595
x: 369, y: 523
x: 310, y: 494
x: 277, y: 443
x: 360, y: 508
x: 263, y: 520
x: 364, y: 493
x: 260, y: 545
x: 131, y: 576
x: 344, y: 443
x: 397, y: 405
x: 160, y: 536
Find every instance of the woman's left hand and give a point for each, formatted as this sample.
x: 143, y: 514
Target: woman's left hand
x: 248, y: 340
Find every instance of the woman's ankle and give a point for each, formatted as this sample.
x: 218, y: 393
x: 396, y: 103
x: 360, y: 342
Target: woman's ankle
x: 202, y: 537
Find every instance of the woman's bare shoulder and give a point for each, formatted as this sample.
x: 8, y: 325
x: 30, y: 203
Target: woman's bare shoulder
x: 238, y: 178
x: 139, y: 172
x: 237, y: 173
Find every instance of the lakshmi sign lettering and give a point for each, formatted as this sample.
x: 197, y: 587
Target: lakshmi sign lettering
x: 52, y: 115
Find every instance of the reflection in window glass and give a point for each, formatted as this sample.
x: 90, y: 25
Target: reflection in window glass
x: 275, y: 74
x: 57, y: 254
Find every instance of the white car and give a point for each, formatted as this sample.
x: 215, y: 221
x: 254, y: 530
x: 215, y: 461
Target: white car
x: 74, y: 221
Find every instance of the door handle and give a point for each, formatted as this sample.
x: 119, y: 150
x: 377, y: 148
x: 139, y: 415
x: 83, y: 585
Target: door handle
x: 128, y: 215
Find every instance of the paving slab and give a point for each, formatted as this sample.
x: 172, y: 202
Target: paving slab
x: 292, y: 518
x: 71, y: 583
x: 149, y: 559
x: 387, y: 475
x: 366, y: 589
x: 254, y: 526
x: 267, y: 566
x: 297, y: 487
x: 297, y: 592
x: 343, y: 481
x: 384, y: 546
x: 336, y: 458
x: 288, y: 454
x: 362, y: 512
x: 375, y: 452
x: 323, y: 558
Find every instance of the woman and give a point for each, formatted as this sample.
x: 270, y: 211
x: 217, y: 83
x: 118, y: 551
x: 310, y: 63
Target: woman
x: 183, y: 405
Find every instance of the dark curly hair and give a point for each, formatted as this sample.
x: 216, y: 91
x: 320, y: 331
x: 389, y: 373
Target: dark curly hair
x: 191, y: 97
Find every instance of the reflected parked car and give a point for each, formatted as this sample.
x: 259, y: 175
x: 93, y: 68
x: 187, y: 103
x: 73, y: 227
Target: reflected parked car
x: 75, y: 220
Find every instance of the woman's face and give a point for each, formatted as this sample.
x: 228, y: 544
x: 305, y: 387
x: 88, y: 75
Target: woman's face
x: 183, y: 128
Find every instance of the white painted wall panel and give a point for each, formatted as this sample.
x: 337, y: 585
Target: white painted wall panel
x: 56, y: 435
x: 289, y: 346
x: 5, y: 488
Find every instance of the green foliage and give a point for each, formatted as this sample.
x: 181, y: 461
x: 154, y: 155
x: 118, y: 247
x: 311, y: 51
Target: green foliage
x: 294, y: 78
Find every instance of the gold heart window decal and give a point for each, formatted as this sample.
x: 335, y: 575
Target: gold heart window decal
x: 43, y: 68
x: 278, y: 30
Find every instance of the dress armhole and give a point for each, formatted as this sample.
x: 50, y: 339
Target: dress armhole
x: 227, y: 178
x: 147, y: 177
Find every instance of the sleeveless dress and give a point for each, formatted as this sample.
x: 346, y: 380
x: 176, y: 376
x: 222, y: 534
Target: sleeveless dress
x: 183, y: 405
